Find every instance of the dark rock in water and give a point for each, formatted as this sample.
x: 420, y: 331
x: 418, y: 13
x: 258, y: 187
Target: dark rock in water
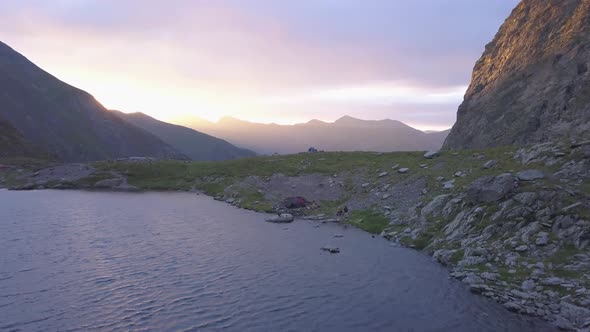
x: 531, y: 83
x: 490, y: 188
x: 513, y: 306
x: 530, y: 175
x: 330, y: 249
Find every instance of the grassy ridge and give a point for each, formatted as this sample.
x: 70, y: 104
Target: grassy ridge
x: 213, y: 177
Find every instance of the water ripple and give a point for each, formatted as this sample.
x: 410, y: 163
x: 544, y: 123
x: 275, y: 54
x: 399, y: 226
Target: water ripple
x: 81, y: 261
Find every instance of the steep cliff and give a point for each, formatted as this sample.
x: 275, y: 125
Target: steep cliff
x: 532, y: 82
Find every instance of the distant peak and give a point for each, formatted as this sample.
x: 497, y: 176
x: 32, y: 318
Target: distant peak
x: 315, y: 122
x: 347, y: 118
x: 228, y: 119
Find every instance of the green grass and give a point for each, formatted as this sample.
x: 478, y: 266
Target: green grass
x: 457, y: 256
x: 368, y: 220
x: 330, y: 208
x: 566, y: 274
x: 254, y: 200
x: 519, y: 276
x: 180, y: 175
x: 564, y: 255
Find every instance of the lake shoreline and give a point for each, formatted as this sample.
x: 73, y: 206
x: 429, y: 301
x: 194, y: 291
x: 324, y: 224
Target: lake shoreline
x: 494, y: 218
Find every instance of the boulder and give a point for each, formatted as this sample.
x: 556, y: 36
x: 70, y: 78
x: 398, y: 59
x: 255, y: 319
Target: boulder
x: 528, y: 285
x: 444, y: 256
x: 449, y: 184
x: 530, y: 175
x: 382, y: 174
x: 552, y: 281
x: 490, y: 188
x: 526, y: 198
x: 577, y: 315
x: 431, y: 154
x: 513, y: 306
x: 403, y: 170
x: 542, y: 239
x: 489, y: 164
x: 280, y: 219
x: 434, y: 208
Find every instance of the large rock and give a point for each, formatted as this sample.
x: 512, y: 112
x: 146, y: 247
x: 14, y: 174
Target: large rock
x: 490, y: 188
x: 431, y: 154
x: 531, y: 83
x: 575, y: 314
x: 530, y: 175
x: 281, y: 219
x: 435, y: 207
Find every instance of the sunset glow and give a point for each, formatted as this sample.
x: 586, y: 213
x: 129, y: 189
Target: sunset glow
x: 265, y: 61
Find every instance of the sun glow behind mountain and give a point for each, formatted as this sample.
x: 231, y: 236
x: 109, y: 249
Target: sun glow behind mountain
x: 265, y: 61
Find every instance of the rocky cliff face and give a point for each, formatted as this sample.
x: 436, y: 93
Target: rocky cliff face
x: 532, y: 82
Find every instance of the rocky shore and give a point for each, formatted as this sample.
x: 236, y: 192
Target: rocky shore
x: 522, y: 239
x: 512, y: 224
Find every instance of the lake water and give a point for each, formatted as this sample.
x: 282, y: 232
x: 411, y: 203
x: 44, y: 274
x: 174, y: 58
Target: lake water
x: 89, y: 261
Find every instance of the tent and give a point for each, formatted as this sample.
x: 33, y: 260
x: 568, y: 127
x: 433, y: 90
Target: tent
x: 295, y: 202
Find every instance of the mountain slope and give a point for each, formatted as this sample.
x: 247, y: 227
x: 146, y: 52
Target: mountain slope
x: 65, y: 121
x: 532, y: 82
x: 344, y: 134
x: 13, y: 144
x: 195, y: 145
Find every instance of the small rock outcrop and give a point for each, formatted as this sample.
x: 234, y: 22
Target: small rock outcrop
x: 531, y: 84
x: 490, y: 188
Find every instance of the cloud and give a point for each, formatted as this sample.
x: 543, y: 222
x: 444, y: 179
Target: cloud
x: 378, y: 94
x: 224, y: 57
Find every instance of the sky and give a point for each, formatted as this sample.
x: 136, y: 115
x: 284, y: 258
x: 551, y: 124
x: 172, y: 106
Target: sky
x: 282, y: 61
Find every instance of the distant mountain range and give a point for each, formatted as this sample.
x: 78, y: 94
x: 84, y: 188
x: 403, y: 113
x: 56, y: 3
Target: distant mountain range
x: 344, y: 134
x: 71, y: 125
x: 195, y: 145
x: 41, y: 115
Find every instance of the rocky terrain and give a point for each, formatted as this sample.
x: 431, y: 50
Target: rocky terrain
x: 512, y: 223
x: 520, y: 238
x: 532, y: 83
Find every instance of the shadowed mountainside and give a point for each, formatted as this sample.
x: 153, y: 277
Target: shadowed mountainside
x: 532, y: 82
x: 65, y: 121
x: 345, y: 134
x: 194, y: 144
x: 13, y: 144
